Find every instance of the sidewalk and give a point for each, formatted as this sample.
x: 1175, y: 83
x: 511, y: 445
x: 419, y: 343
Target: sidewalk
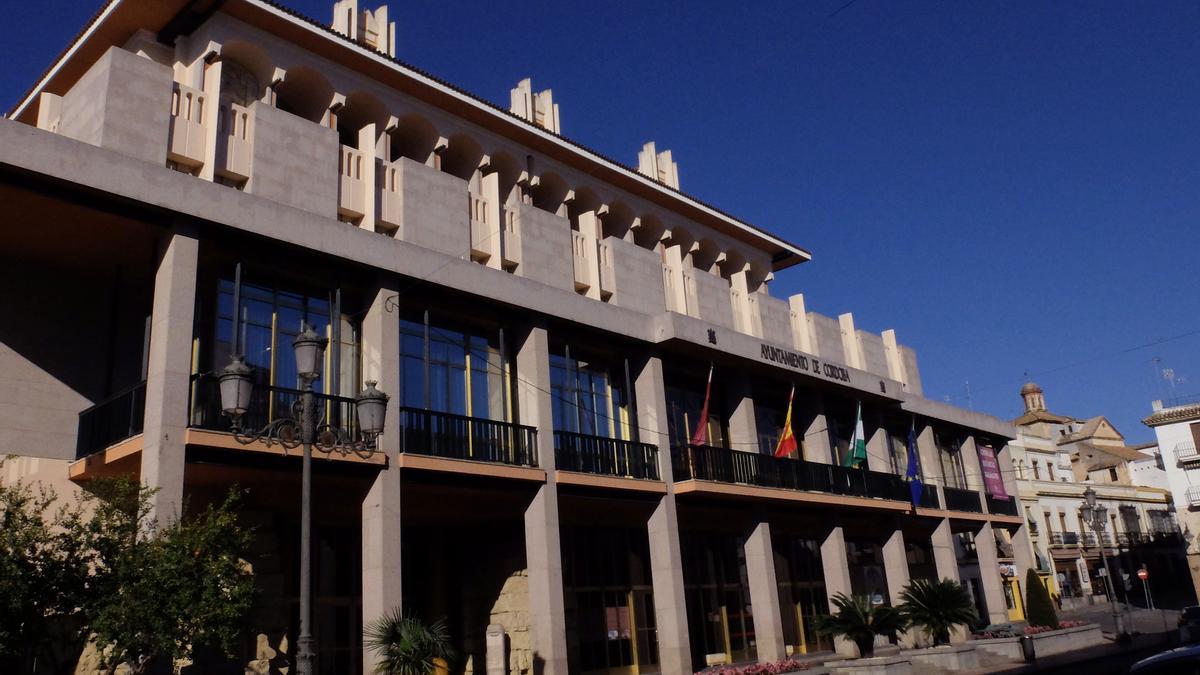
x: 1137, y: 620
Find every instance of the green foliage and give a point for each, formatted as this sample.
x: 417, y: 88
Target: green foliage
x: 1039, y: 609
x: 859, y: 621
x: 937, y: 607
x: 406, y: 645
x: 174, y: 588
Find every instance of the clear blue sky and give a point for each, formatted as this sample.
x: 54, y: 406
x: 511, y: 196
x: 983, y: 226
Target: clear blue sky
x: 1014, y: 187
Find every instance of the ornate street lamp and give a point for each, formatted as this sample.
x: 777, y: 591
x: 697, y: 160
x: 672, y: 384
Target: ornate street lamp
x: 304, y: 427
x: 1096, y: 516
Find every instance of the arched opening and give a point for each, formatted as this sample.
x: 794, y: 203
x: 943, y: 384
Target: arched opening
x: 414, y: 137
x: 245, y: 73
x: 617, y: 221
x: 508, y: 170
x: 550, y: 192
x: 757, y: 276
x: 360, y: 109
x: 461, y: 158
x: 585, y: 201
x: 704, y: 257
x: 304, y: 93
x: 649, y: 232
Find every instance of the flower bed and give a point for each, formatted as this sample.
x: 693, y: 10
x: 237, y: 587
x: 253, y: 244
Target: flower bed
x: 1046, y: 641
x: 784, y: 666
x: 1012, y: 631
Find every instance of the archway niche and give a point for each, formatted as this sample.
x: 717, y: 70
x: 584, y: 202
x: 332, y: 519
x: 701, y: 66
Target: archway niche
x: 304, y: 93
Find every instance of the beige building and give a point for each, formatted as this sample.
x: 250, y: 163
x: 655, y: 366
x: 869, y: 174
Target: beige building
x: 1057, y: 457
x: 1176, y: 425
x: 194, y: 181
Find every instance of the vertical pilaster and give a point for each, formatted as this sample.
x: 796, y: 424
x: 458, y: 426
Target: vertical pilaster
x: 743, y: 428
x: 970, y: 459
x: 1023, y: 556
x: 816, y: 432
x: 543, y: 551
x: 764, y: 594
x: 381, y: 513
x: 368, y: 145
x: 666, y: 557
x: 931, y: 467
x: 895, y: 568
x: 989, y: 574
x: 168, y: 374
x: 835, y: 565
x: 878, y: 457
x: 490, y: 185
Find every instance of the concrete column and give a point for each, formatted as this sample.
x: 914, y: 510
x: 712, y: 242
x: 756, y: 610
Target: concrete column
x: 764, y: 594
x: 1008, y: 471
x: 211, y: 84
x: 543, y: 551
x: 816, y: 432
x: 168, y: 374
x: 835, y: 565
x: 743, y: 428
x: 368, y: 146
x: 798, y: 315
x: 1023, y: 556
x: 851, y: 347
x: 946, y: 562
x: 878, y: 457
x: 666, y: 557
x: 490, y: 185
x: 989, y: 574
x: 895, y: 568
x: 381, y: 517
x: 970, y: 458
x: 931, y: 467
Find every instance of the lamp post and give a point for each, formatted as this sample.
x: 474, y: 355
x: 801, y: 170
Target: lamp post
x: 305, y: 428
x: 1096, y: 515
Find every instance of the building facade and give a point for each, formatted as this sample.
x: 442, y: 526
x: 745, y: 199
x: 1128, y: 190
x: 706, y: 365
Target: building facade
x: 189, y: 182
x: 1177, y: 428
x: 1056, y: 458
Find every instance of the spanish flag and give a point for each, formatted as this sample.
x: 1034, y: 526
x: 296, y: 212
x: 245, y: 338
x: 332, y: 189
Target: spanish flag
x: 787, y: 440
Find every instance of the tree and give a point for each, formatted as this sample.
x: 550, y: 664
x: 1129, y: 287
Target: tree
x: 1039, y: 609
x: 173, y: 588
x: 406, y: 645
x: 859, y: 621
x: 937, y: 607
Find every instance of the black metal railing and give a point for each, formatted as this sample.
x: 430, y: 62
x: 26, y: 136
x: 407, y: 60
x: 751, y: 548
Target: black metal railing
x: 958, y: 499
x: 425, y: 432
x: 1002, y: 507
x: 929, y: 497
x: 702, y: 462
x: 605, y: 456
x: 267, y: 404
x: 1064, y: 538
x: 111, y: 421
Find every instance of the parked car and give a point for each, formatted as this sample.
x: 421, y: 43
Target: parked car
x: 1189, y: 624
x: 1178, y: 661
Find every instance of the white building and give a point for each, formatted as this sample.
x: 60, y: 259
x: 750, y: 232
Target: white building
x: 1177, y: 429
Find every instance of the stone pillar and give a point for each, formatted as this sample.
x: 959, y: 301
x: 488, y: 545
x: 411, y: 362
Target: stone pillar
x: 666, y: 558
x: 168, y: 374
x: 1023, y: 552
x: 543, y: 553
x: 970, y: 458
x: 743, y: 428
x: 931, y: 467
x: 368, y: 142
x: 816, y: 433
x: 381, y: 522
x: 878, y: 457
x: 946, y: 561
x: 764, y: 594
x: 835, y: 565
x: 895, y: 568
x: 989, y: 574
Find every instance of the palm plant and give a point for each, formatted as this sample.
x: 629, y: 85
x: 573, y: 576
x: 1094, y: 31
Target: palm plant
x: 407, y: 646
x: 937, y: 607
x: 860, y: 621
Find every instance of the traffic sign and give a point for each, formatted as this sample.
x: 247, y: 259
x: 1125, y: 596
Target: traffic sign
x: 1143, y: 574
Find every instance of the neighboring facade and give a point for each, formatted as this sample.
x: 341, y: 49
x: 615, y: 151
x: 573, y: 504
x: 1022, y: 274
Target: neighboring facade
x: 1056, y: 458
x: 192, y: 181
x: 1177, y: 428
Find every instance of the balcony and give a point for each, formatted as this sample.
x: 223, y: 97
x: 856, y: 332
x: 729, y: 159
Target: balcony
x: 1185, y: 453
x: 1192, y: 496
x: 185, y: 146
x: 1064, y: 539
x: 235, y: 136
x: 436, y: 434
x: 958, y: 499
x: 1001, y: 507
x: 702, y: 462
x: 605, y: 456
x: 111, y: 421
x: 352, y: 192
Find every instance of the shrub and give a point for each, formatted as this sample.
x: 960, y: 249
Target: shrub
x: 937, y: 607
x: 406, y: 645
x: 859, y: 621
x: 1039, y: 609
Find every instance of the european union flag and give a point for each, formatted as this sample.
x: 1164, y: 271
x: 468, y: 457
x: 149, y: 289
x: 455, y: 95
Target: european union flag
x: 913, y: 474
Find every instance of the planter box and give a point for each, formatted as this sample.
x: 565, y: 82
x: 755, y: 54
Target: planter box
x: 1044, y: 644
x: 879, y: 665
x: 945, y: 657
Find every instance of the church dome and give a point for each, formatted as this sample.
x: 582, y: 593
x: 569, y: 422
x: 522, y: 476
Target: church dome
x: 1031, y: 388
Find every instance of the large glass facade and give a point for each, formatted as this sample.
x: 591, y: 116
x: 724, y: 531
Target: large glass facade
x: 453, y: 367
x: 720, y: 619
x: 590, y: 395
x: 609, y: 601
x: 802, y: 595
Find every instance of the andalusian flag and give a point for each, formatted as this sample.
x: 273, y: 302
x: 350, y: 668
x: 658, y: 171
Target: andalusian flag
x: 857, y: 453
x: 787, y: 440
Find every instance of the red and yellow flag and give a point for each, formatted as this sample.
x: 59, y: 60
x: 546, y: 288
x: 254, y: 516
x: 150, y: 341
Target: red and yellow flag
x: 787, y: 440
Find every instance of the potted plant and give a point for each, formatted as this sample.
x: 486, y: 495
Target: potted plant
x: 859, y: 621
x: 937, y: 607
x: 407, y: 646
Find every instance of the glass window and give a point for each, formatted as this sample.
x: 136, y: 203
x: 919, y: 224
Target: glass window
x: 464, y: 373
x: 684, y: 405
x: 950, y: 456
x: 768, y: 421
x: 589, y: 395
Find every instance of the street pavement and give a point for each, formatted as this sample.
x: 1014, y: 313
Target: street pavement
x: 1135, y: 620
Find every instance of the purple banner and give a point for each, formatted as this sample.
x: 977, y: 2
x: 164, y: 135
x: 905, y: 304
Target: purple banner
x: 993, y: 482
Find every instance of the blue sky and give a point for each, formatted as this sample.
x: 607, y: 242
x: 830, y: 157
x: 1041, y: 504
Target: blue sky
x: 1013, y: 186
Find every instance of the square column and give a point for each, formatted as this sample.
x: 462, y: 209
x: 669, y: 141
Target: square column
x: 989, y: 574
x: 946, y: 562
x: 666, y: 557
x: 970, y: 458
x: 168, y: 374
x: 815, y: 433
x: 381, y: 522
x: 931, y: 467
x: 895, y: 568
x: 543, y: 549
x: 743, y: 428
x: 836, y: 566
x: 764, y: 594
x: 878, y: 457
